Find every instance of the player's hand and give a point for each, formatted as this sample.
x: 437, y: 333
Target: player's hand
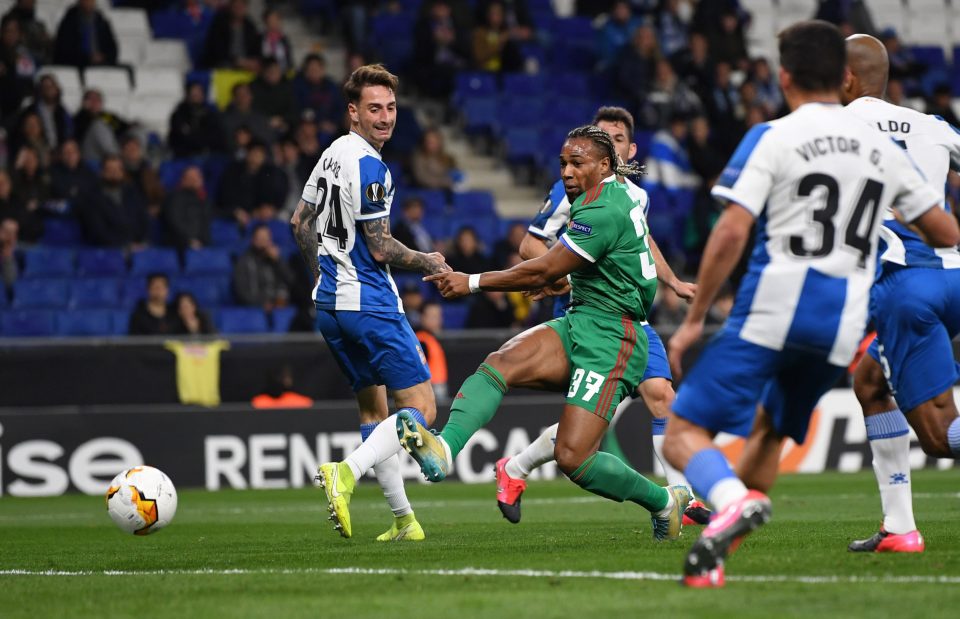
x: 685, y: 290
x: 556, y: 289
x: 683, y: 338
x: 451, y: 284
x: 438, y: 262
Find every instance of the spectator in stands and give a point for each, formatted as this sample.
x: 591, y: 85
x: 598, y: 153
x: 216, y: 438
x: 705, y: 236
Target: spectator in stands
x: 71, y: 180
x: 261, y: 278
x: 232, y: 39
x: 728, y: 43
x: 96, y: 129
x: 705, y: 158
x: 17, y: 67
x: 33, y: 31
x: 895, y: 93
x: 903, y: 65
x: 152, y: 315
x: 723, y: 108
x: 704, y: 215
x: 191, y: 320
x: 636, y: 67
x: 273, y: 98
x: 671, y: 183
x: 440, y: 51
x: 187, y: 213
x: 939, y: 104
x: 241, y: 113
x: 308, y: 147
x: 319, y: 94
x: 615, y: 34
x: 287, y: 157
x: 768, y: 88
x: 251, y: 188
x: 505, y: 248
x: 279, y: 392
x: 431, y: 323
x: 412, y: 298
x: 85, y: 37
x: 695, y: 66
x: 115, y: 215
x: 465, y: 254
x: 31, y: 190
x: 410, y: 230
x: 30, y: 133
x: 195, y: 127
x: 490, y: 310
x: 9, y: 232
x: 141, y: 173
x: 671, y: 29
x: 494, y: 46
x: 54, y: 117
x: 432, y: 167
x: 275, y: 45
x: 668, y: 97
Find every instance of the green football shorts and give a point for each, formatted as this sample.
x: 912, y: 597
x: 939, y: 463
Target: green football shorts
x: 608, y: 355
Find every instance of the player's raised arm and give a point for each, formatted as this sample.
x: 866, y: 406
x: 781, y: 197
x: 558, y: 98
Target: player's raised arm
x: 388, y: 250
x: 684, y: 290
x: 304, y: 227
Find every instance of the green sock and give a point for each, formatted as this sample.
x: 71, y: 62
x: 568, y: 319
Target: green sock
x: 475, y: 405
x: 611, y: 478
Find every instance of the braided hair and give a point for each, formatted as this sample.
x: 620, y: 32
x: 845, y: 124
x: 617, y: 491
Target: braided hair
x: 603, y: 142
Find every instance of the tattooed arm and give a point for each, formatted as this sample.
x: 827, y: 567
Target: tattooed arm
x: 388, y: 250
x: 305, y: 231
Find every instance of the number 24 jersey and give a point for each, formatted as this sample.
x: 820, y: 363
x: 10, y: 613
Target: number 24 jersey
x: 350, y: 185
x: 818, y: 181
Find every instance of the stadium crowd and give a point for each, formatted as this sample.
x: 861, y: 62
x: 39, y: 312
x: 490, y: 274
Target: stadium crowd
x: 93, y: 203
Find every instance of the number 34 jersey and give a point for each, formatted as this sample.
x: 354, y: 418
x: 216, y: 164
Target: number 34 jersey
x: 818, y: 181
x: 350, y: 185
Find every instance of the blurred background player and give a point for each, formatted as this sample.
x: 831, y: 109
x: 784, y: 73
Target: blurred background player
x: 915, y: 305
x: 816, y: 183
x: 342, y: 227
x: 655, y: 386
x: 594, y: 352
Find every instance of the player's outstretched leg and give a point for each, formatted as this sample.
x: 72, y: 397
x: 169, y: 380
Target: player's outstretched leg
x: 337, y: 481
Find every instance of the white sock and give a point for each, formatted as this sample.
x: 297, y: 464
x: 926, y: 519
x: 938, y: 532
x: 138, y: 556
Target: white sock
x: 379, y: 446
x: 726, y: 492
x: 890, y: 443
x: 537, y: 453
x: 391, y: 482
x: 674, y: 477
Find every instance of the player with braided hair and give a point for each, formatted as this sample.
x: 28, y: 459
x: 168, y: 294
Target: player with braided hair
x: 596, y: 353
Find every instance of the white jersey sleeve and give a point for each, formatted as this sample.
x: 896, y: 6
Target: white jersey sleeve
x: 749, y: 176
x: 914, y: 195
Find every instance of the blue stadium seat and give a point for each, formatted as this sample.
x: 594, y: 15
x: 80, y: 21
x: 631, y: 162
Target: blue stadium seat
x: 46, y: 262
x: 134, y: 289
x: 3, y: 296
x: 281, y: 318
x: 470, y: 203
x: 931, y: 55
x: 62, y: 232
x: 121, y: 322
x: 550, y: 143
x: 643, y: 140
x: 101, y: 263
x: 391, y: 35
x: 89, y: 322
x: 406, y: 135
x: 171, y: 171
x: 523, y: 144
x: 455, y: 315
x: 27, y: 323
x: 281, y: 233
x: 208, y: 291
x: 522, y: 85
x: 469, y: 85
x: 242, y: 320
x: 207, y: 262
x: 154, y: 261
x: 480, y: 114
x: 519, y: 112
x: 95, y: 293
x: 434, y: 201
x: 225, y: 233
x: 40, y: 294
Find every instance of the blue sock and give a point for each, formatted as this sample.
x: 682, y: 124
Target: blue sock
x: 890, y: 424
x: 953, y: 437
x: 416, y: 415
x: 706, y: 469
x: 658, y: 426
x: 366, y: 429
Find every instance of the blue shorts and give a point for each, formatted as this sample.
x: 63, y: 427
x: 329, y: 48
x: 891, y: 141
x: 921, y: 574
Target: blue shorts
x: 732, y: 376
x: 917, y: 314
x: 374, y: 348
x: 657, y: 364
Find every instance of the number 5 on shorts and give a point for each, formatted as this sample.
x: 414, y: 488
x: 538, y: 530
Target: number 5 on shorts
x: 594, y: 382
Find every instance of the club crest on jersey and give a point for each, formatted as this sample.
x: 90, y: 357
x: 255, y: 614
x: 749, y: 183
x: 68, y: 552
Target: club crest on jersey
x: 375, y: 192
x: 581, y: 228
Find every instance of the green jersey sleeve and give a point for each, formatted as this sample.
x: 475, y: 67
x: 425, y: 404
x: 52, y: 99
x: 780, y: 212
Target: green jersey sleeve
x: 592, y: 232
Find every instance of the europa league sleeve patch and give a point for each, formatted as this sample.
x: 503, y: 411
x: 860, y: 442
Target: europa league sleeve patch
x: 375, y: 192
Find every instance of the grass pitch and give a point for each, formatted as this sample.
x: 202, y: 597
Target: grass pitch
x: 272, y: 554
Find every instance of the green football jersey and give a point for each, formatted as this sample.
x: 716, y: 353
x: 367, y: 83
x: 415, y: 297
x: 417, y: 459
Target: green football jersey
x: 607, y: 228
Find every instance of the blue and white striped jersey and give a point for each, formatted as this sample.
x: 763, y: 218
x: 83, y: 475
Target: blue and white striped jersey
x: 817, y: 181
x: 552, y: 219
x: 349, y: 185
x: 934, y: 145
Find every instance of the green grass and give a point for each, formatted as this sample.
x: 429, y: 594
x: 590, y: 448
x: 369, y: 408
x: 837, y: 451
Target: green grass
x: 282, y: 542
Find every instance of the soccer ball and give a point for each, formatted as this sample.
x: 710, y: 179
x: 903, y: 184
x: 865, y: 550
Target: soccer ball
x: 141, y: 500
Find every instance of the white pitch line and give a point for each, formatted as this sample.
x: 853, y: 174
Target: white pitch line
x: 483, y: 572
